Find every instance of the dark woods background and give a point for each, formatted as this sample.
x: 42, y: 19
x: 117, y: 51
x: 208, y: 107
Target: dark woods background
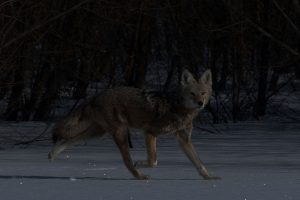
x: 54, y: 51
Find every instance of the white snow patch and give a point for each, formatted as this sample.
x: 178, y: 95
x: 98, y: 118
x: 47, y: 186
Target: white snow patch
x: 256, y: 160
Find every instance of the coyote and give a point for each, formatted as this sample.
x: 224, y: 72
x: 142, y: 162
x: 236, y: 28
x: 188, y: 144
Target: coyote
x: 116, y: 110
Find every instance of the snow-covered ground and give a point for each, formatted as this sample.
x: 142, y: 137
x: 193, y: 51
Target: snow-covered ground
x: 258, y: 161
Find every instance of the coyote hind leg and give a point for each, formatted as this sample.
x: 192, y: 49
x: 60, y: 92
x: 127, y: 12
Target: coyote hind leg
x: 121, y: 139
x: 61, y: 147
x: 151, y: 161
x: 75, y: 140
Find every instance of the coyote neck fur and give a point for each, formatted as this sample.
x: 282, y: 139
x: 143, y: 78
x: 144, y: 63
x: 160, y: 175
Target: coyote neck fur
x: 171, y: 101
x: 171, y: 114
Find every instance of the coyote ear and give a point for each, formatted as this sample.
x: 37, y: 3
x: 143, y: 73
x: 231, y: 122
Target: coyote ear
x: 187, y: 78
x: 206, y: 77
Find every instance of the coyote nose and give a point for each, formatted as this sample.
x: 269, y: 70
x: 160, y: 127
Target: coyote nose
x: 200, y: 104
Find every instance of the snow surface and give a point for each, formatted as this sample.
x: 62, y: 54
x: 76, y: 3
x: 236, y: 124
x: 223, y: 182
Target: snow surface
x: 258, y: 161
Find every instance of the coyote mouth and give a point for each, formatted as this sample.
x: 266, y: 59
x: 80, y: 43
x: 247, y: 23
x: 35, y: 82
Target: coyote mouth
x: 200, y: 106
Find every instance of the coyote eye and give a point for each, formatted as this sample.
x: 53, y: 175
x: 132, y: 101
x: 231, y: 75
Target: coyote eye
x: 203, y: 93
x: 193, y: 94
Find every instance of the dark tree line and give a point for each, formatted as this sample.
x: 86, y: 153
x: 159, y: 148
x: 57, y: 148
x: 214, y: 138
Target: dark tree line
x: 53, y: 49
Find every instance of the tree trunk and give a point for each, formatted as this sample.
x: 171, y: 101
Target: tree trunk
x: 15, y: 102
x: 261, y: 102
x: 236, y: 85
x: 50, y: 95
x: 83, y: 79
x: 135, y: 72
x: 37, y: 91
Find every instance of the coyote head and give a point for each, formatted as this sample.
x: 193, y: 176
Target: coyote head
x: 195, y: 93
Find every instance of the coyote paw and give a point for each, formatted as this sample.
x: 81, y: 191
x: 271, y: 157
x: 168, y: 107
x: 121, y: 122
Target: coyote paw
x: 50, y: 156
x: 143, y: 177
x: 145, y: 164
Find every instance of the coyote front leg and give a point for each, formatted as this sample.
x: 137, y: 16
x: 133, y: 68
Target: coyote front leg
x: 151, y: 161
x: 121, y: 138
x: 184, y: 138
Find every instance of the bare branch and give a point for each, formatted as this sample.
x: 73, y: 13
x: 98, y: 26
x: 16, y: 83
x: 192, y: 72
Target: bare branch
x: 284, y: 45
x: 44, y: 23
x: 286, y: 17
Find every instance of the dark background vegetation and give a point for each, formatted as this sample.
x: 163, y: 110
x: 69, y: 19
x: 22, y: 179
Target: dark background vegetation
x: 52, y: 50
